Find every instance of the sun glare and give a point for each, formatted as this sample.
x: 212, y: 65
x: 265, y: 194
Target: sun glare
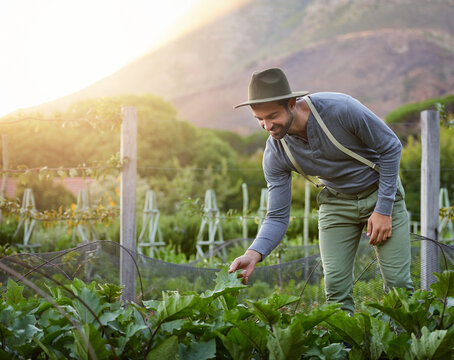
x: 51, y: 48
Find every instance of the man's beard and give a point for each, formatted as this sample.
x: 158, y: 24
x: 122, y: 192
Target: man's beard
x: 284, y: 128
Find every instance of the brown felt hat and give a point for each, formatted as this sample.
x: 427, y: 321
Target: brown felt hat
x: 269, y: 85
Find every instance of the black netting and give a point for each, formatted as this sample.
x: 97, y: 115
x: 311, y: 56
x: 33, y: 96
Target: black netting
x: 100, y: 261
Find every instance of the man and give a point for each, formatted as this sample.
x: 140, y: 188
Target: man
x: 345, y: 157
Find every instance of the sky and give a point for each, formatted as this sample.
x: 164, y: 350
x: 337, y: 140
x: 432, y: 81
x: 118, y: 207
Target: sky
x: 52, y: 48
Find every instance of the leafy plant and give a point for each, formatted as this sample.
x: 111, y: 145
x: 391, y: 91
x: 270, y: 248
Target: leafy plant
x: 83, y: 321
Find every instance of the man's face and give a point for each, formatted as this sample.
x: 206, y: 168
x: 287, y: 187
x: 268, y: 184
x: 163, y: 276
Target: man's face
x: 274, y: 118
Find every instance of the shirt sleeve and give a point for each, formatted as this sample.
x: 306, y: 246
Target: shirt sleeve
x: 274, y: 227
x: 379, y: 137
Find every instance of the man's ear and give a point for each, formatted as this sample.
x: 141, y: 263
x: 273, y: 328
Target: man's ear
x: 292, y: 103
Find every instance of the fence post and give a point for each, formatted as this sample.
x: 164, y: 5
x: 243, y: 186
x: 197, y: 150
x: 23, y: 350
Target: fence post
x: 307, y: 203
x: 245, y: 209
x: 5, y: 167
x: 430, y: 187
x: 128, y: 202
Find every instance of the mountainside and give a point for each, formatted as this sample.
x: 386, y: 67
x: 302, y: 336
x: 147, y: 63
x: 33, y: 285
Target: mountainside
x: 385, y: 53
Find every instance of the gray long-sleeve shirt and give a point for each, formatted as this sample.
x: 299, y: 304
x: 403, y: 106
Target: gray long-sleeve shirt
x: 355, y: 127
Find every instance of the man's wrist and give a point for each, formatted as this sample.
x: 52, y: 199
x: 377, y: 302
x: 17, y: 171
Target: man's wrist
x: 255, y: 255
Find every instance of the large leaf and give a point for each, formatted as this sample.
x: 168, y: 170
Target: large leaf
x: 280, y: 300
x: 287, y: 343
x: 109, y: 316
x: 399, y: 347
x: 200, y: 350
x: 317, y: 315
x: 167, y: 350
x: 93, y: 301
x: 151, y: 304
x: 348, y: 328
x: 131, y: 330
x: 14, y: 293
x: 49, y: 353
x: 96, y: 341
x: 410, y: 312
x: 110, y: 292
x: 427, y: 346
x: 265, y: 312
x: 333, y: 351
x: 239, y: 347
x: 256, y: 335
x: 237, y: 314
x: 225, y: 282
x: 380, y: 336
x: 23, y: 329
x: 444, y: 287
x: 182, y: 327
x: 175, y: 306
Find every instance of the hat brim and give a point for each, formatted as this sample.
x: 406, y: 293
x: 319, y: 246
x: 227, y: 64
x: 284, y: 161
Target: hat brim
x: 282, y: 97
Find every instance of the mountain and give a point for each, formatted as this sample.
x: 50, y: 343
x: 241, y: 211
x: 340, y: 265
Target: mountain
x: 385, y: 53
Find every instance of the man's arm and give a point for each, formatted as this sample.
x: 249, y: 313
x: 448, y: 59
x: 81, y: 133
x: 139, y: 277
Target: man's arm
x: 379, y: 137
x: 273, y: 229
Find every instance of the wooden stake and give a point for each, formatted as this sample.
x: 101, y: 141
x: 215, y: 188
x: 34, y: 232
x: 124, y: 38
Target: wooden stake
x: 430, y: 187
x: 128, y: 203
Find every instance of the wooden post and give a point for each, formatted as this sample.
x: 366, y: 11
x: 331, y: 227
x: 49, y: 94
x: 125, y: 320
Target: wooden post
x: 430, y: 187
x: 245, y: 209
x: 128, y: 203
x: 307, y: 203
x: 5, y: 167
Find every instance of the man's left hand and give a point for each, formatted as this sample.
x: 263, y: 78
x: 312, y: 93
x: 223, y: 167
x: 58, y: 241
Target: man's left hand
x: 379, y: 228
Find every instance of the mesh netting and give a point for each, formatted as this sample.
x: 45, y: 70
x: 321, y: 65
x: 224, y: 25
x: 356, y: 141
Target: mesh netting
x: 100, y: 261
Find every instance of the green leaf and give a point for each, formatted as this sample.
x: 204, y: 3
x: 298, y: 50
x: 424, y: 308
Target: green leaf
x: 256, y: 335
x: 201, y: 350
x: 167, y: 350
x: 428, y: 344
x: 280, y: 300
x: 151, y: 304
x: 236, y: 344
x: 380, y: 336
x: 444, y: 287
x: 348, y: 328
x: 109, y: 316
x: 95, y: 340
x: 265, y: 312
x: 50, y: 354
x: 236, y: 315
x: 131, y: 330
x: 110, y: 292
x: 175, y: 306
x: 399, y: 348
x: 4, y: 355
x: 23, y: 329
x: 410, y: 312
x: 334, y: 351
x: 225, y: 283
x: 14, y: 293
x: 317, y: 315
x: 92, y: 300
x: 287, y: 343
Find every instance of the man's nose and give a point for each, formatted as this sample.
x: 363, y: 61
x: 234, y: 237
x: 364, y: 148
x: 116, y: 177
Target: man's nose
x: 267, y: 125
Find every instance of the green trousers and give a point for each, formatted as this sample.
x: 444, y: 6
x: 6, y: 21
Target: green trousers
x: 342, y: 219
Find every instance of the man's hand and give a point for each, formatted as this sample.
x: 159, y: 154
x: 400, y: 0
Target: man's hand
x: 379, y: 228
x: 247, y: 263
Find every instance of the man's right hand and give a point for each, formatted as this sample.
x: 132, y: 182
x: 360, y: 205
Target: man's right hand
x: 247, y: 263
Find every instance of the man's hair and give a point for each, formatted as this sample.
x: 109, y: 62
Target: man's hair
x: 284, y: 103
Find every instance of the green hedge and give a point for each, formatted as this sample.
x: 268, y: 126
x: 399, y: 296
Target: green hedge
x: 411, y: 112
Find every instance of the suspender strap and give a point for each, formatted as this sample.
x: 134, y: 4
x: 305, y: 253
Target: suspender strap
x: 334, y: 141
x: 295, y: 164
